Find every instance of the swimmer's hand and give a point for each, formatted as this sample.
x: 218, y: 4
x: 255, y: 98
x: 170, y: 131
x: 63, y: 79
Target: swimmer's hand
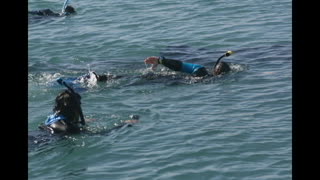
x: 154, y: 60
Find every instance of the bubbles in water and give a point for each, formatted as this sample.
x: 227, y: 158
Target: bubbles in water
x: 238, y: 67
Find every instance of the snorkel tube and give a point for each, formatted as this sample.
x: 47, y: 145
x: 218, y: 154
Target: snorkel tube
x: 66, y: 2
x: 77, y: 96
x: 228, y: 53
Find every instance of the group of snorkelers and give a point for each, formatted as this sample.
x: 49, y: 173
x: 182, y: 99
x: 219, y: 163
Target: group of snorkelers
x: 67, y: 114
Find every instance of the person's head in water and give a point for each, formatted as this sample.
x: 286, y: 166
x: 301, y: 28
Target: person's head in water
x: 222, y: 67
x: 70, y: 10
x: 68, y: 104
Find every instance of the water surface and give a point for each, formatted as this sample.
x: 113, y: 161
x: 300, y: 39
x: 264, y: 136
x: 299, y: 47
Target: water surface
x: 233, y: 127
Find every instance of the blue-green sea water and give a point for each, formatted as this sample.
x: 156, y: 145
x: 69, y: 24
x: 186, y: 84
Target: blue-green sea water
x: 232, y: 127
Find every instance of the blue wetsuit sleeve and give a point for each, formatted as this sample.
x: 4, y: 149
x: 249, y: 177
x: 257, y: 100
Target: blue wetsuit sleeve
x: 177, y: 65
x: 190, y: 68
x: 54, y: 118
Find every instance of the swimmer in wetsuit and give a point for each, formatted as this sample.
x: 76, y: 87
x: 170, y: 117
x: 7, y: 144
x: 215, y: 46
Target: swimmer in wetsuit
x: 47, y: 12
x: 194, y: 69
x: 67, y: 117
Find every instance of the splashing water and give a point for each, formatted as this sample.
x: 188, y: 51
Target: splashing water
x: 92, y: 81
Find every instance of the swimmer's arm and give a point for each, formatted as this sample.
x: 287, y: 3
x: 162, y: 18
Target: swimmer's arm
x: 127, y: 123
x: 131, y: 121
x: 172, y: 64
x: 134, y: 119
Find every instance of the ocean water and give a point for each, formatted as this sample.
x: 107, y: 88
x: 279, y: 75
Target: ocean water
x: 232, y: 127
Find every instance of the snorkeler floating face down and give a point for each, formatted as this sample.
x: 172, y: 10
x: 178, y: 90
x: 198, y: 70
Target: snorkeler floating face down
x: 222, y: 67
x: 190, y: 68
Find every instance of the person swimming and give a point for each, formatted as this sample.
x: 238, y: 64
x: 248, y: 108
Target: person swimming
x: 194, y: 69
x: 48, y: 12
x: 68, y: 118
x: 90, y: 77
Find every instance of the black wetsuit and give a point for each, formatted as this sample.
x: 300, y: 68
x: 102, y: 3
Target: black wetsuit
x: 176, y: 65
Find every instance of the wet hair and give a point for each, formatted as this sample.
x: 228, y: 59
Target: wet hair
x: 68, y: 104
x: 221, y: 68
x: 70, y: 10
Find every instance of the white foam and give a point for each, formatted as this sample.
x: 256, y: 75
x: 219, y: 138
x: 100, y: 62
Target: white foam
x: 92, y: 81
